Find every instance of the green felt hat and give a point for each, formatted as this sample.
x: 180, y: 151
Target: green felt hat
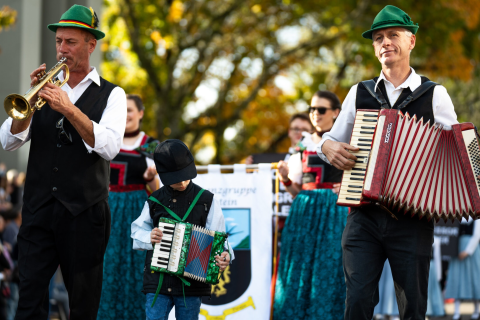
x: 391, y: 16
x: 79, y: 17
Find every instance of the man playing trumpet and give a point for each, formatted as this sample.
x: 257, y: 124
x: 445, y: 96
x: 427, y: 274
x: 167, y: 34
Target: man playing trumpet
x: 66, y: 218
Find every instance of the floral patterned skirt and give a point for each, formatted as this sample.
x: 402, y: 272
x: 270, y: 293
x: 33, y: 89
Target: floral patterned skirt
x: 122, y: 297
x: 310, y: 282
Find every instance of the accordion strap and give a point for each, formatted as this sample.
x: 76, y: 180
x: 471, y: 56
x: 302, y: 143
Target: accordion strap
x: 424, y: 87
x: 173, y: 214
x: 370, y: 86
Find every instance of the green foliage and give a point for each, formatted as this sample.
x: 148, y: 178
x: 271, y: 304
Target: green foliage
x: 7, y: 17
x: 209, y: 71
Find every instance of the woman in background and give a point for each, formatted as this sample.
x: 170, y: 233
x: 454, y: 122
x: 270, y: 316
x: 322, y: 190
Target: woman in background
x: 131, y: 172
x: 310, y: 282
x: 463, y: 278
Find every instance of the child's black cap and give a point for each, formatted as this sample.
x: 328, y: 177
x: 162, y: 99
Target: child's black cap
x: 174, y: 162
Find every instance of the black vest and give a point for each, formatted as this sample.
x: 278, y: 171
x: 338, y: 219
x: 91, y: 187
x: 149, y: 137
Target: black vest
x: 422, y: 107
x: 466, y: 229
x: 128, y: 166
x: 67, y: 172
x: 178, y: 202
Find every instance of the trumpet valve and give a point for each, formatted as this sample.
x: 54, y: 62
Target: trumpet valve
x: 41, y: 74
x: 39, y: 104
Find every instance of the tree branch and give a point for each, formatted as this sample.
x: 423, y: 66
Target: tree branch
x: 133, y: 31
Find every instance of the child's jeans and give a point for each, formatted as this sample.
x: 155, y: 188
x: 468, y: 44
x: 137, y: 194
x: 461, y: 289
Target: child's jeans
x: 164, y: 305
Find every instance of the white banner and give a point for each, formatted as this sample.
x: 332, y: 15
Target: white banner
x: 244, y: 288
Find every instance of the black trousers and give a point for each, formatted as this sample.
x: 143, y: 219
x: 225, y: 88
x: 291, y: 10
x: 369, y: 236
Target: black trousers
x: 52, y: 236
x: 370, y: 237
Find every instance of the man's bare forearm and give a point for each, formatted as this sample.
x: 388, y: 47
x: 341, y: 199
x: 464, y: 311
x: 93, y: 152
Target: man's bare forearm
x: 20, y: 126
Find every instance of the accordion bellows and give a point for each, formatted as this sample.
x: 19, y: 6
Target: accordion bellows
x: 406, y: 164
x: 188, y: 250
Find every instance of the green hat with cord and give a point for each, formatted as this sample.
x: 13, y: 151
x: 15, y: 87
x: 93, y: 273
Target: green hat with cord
x: 391, y: 16
x: 79, y: 17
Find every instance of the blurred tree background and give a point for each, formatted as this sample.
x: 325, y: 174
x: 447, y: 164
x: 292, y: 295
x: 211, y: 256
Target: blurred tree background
x: 225, y: 75
x: 8, y: 17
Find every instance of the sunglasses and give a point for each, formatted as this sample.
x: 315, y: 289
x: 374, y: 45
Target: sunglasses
x: 321, y: 110
x: 64, y: 136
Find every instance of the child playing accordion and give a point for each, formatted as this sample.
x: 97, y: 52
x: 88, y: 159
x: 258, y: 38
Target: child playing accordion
x: 185, y: 202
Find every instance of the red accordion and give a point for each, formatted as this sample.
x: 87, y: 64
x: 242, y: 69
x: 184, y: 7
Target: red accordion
x: 406, y: 164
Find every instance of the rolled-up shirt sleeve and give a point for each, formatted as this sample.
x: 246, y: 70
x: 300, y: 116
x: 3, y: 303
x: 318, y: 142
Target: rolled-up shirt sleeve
x: 11, y: 142
x: 141, y: 229
x: 111, y: 128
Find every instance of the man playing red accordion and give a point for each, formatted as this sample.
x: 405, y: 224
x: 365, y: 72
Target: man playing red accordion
x: 371, y: 235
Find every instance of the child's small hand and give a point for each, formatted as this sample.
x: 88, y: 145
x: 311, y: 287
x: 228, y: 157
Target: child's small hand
x: 156, y: 235
x: 222, y: 260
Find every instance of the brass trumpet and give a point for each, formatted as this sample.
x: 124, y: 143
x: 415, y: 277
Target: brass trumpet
x: 18, y: 107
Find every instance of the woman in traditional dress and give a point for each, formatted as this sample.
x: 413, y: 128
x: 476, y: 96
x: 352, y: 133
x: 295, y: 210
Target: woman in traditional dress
x: 463, y: 278
x: 131, y: 172
x: 310, y: 282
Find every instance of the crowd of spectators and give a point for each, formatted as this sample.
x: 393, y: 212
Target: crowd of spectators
x: 11, y: 193
x: 11, y: 199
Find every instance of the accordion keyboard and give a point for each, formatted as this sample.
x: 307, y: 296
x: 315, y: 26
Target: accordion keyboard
x: 166, y: 253
x: 362, y: 137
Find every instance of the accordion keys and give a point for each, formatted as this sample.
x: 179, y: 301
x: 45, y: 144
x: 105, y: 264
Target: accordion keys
x: 362, y: 137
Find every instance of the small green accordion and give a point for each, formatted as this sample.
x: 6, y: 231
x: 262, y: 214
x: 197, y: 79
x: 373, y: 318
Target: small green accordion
x: 188, y: 250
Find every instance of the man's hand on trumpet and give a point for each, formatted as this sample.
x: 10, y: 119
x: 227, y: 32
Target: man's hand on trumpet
x: 56, y: 98
x: 34, y: 77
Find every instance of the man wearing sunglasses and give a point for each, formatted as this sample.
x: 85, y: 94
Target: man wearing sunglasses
x: 66, y: 218
x: 371, y: 235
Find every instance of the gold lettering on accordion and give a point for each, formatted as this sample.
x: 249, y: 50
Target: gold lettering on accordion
x: 244, y: 305
x: 219, y: 288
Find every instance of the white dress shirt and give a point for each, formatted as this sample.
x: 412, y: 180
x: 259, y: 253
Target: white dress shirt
x: 143, y: 226
x: 443, y: 110
x: 108, y: 132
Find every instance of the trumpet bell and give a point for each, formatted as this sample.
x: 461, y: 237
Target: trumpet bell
x: 17, y: 106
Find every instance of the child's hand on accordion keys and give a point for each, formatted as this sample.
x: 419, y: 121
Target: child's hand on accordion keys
x: 223, y: 260
x: 156, y: 235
